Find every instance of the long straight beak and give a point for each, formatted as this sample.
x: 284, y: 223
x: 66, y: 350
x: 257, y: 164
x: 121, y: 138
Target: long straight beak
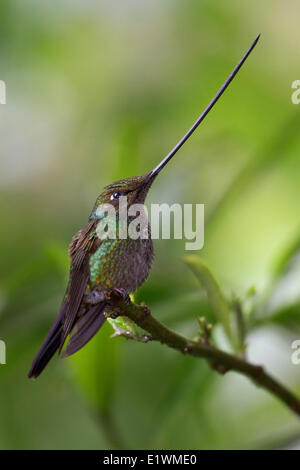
x: 204, y: 113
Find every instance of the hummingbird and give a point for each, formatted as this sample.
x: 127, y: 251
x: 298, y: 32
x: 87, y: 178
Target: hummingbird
x: 98, y: 265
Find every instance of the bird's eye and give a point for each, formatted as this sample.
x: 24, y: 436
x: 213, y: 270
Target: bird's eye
x: 115, y: 196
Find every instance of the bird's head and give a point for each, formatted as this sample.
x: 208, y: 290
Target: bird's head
x: 135, y: 189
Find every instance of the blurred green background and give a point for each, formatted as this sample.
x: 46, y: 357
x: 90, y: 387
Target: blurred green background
x: 98, y: 90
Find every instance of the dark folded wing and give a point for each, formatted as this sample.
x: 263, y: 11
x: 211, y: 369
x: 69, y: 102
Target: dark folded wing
x: 79, y: 277
x: 79, y: 251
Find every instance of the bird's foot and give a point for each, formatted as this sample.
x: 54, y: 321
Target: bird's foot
x: 115, y: 295
x: 115, y: 311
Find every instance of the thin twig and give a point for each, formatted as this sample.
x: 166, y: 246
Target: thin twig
x: 218, y: 359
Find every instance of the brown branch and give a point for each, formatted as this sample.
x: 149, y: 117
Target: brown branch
x: 218, y: 359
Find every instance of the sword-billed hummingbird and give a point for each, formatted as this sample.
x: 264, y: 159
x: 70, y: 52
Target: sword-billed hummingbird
x: 103, y: 264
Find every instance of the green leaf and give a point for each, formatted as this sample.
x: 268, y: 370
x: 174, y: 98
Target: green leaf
x: 282, y: 302
x: 283, y: 264
x: 214, y: 293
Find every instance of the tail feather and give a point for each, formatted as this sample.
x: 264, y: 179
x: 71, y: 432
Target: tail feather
x: 49, y: 346
x: 44, y: 355
x: 85, y: 328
